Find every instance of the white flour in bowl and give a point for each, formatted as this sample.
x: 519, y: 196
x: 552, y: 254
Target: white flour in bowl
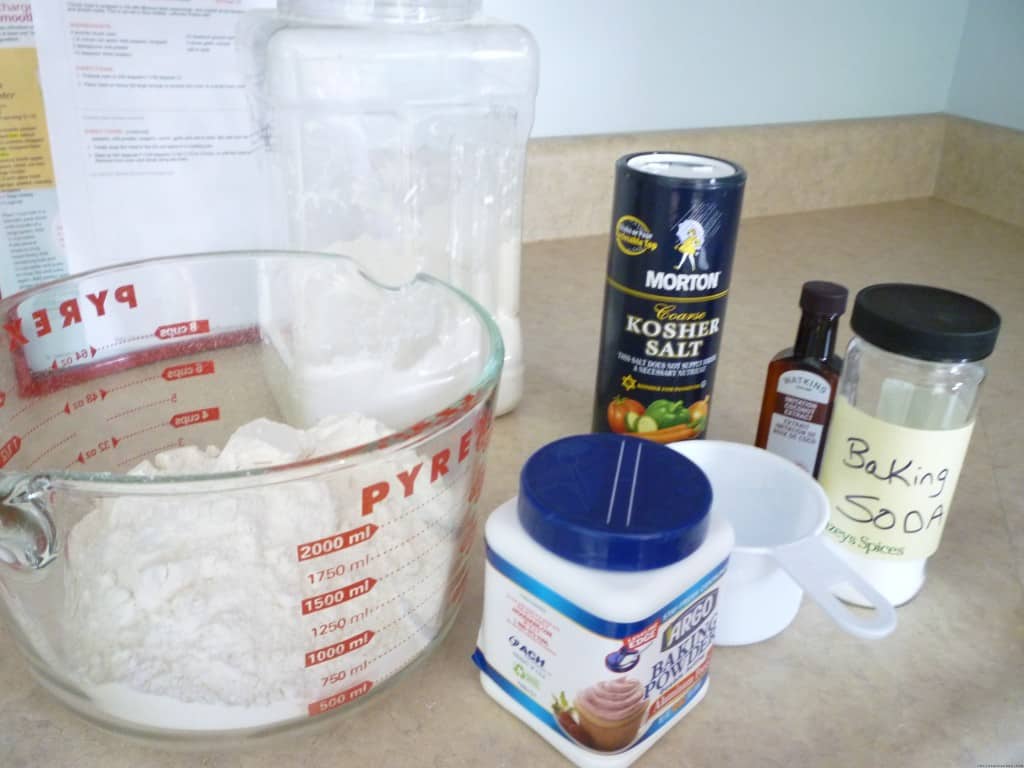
x: 184, y: 611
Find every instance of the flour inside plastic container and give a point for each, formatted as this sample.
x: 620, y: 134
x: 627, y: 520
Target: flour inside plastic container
x: 184, y: 610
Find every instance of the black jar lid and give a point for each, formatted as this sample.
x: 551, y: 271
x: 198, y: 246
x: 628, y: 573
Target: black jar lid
x: 924, y: 322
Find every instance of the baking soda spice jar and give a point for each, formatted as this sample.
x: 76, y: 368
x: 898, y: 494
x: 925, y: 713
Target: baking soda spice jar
x: 900, y: 429
x: 674, y: 223
x: 601, y: 595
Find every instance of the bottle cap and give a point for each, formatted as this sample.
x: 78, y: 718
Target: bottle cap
x: 614, y: 502
x: 823, y: 298
x: 924, y: 322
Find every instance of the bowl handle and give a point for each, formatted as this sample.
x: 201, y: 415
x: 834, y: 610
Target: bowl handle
x: 28, y: 535
x: 817, y: 570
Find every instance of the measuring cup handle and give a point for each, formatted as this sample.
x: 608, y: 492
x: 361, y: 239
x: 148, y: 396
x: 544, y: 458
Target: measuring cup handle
x: 28, y: 534
x: 817, y: 570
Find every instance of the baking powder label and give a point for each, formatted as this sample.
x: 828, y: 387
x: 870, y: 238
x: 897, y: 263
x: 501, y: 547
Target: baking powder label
x: 604, y: 686
x: 889, y: 487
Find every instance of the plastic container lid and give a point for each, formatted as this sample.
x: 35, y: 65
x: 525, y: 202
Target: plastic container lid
x: 381, y: 10
x: 926, y: 323
x: 614, y: 502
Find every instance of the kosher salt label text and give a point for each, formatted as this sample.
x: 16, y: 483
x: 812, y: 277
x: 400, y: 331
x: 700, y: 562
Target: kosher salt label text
x: 889, y: 487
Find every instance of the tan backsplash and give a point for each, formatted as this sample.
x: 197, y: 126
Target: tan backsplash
x: 792, y: 167
x: 982, y: 168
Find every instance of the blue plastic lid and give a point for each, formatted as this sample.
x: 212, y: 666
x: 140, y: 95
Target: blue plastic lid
x: 614, y: 502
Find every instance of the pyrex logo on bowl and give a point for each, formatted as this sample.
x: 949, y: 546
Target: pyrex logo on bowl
x: 69, y: 312
x: 689, y: 621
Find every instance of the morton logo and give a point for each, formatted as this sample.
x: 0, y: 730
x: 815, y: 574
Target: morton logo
x: 690, y: 243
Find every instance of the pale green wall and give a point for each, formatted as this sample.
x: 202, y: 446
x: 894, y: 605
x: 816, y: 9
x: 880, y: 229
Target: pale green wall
x: 988, y: 83
x: 633, y: 65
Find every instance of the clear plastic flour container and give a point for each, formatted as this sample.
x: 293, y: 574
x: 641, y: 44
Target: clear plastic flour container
x: 194, y: 546
x: 397, y: 132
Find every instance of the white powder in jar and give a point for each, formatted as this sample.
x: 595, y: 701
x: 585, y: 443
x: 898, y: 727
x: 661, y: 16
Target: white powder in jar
x: 184, y: 611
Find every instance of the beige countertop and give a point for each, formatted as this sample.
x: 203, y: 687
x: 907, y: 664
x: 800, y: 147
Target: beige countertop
x: 947, y: 688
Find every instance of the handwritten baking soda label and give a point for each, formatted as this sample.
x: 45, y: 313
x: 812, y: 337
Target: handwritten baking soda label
x: 604, y: 686
x: 890, y: 487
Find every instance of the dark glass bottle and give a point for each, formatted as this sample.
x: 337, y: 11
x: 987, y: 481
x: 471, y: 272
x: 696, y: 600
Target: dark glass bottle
x: 800, y: 386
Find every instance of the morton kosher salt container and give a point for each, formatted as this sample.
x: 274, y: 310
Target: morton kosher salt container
x: 674, y: 223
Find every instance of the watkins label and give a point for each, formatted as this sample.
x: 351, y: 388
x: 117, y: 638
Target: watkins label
x: 602, y: 685
x: 800, y: 416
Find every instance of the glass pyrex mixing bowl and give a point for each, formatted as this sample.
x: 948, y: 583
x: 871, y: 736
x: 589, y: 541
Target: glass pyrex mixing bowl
x: 259, y: 594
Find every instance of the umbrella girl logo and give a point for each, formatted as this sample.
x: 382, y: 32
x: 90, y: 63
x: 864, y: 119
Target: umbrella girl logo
x: 689, y: 242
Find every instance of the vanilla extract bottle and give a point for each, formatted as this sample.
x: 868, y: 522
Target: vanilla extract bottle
x: 800, y: 386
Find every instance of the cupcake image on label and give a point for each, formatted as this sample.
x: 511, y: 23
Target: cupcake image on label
x: 611, y: 712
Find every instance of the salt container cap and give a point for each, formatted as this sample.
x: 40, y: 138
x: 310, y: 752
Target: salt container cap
x: 614, y: 502
x: 683, y: 169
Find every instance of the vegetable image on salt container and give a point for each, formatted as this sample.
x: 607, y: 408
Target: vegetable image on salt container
x: 674, y: 223
x: 900, y: 429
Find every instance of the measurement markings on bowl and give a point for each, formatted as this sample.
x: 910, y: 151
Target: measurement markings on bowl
x: 142, y: 431
x: 346, y: 651
x: 172, y: 373
x: 337, y: 596
x: 43, y: 423
x: 9, y: 450
x: 198, y: 416
x: 328, y: 574
x: 76, y: 403
x: 173, y: 398
x: 458, y: 579
x: 413, y: 559
x: 68, y: 359
x: 132, y: 460
x: 97, y: 396
x: 343, y: 660
x: 189, y: 370
x: 186, y: 328
x: 338, y: 699
x: 336, y: 542
x: 361, y: 642
x: 52, y: 448
x: 340, y: 648
x: 26, y: 407
x: 118, y: 342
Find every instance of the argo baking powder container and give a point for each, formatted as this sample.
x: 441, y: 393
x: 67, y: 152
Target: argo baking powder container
x: 601, y: 595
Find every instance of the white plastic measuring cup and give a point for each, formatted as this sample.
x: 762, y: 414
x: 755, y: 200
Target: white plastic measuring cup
x: 778, y: 512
